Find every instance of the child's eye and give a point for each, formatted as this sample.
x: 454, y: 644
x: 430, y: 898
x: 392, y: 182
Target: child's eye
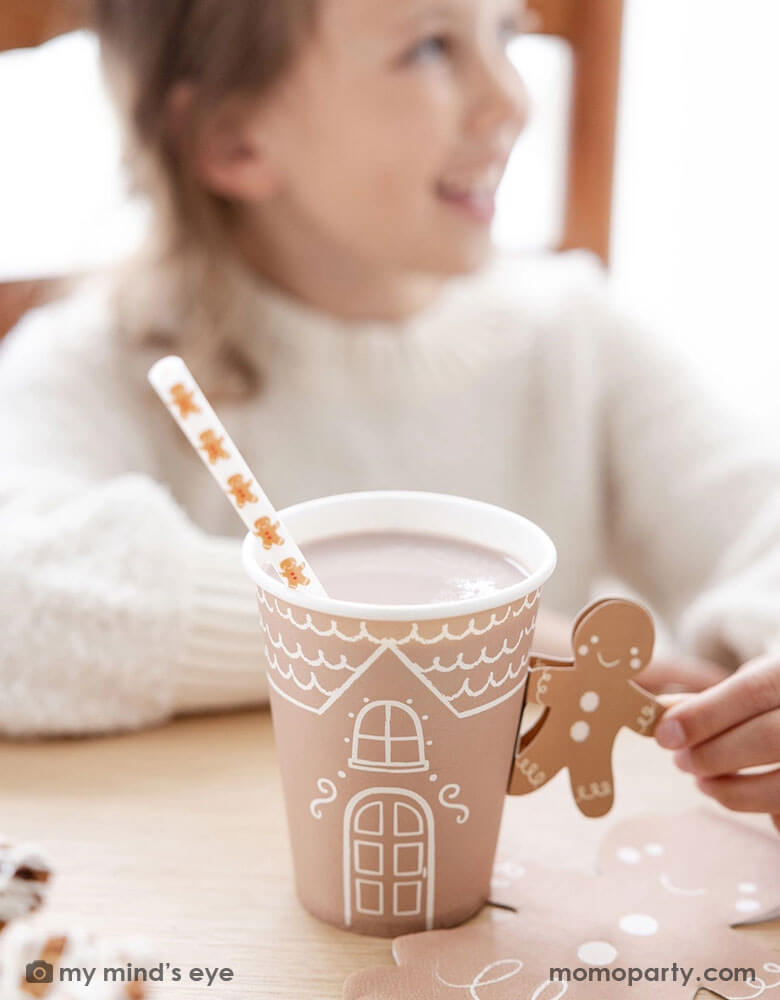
x: 429, y: 48
x: 511, y: 30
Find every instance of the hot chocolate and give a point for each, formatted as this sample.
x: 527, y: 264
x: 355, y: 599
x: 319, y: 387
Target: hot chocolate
x: 399, y: 567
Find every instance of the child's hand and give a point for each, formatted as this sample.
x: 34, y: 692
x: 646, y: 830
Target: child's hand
x: 732, y: 726
x: 680, y: 673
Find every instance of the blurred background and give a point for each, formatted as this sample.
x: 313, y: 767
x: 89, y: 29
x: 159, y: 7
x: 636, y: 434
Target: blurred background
x: 696, y: 209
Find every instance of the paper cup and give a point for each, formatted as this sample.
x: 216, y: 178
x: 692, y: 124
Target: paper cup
x: 396, y: 725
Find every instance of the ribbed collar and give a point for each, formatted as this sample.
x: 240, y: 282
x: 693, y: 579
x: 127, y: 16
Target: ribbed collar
x: 299, y: 330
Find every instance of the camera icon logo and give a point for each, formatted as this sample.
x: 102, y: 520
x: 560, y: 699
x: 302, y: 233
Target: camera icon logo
x: 39, y: 972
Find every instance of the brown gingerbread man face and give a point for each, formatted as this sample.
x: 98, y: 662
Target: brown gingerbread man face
x: 613, y: 635
x: 588, y: 699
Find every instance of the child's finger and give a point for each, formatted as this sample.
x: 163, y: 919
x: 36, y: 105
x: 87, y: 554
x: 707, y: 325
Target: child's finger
x: 750, y: 744
x: 680, y: 673
x: 744, y: 695
x: 745, y: 792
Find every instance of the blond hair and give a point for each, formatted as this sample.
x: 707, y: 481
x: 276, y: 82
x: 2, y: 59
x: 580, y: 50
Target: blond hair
x: 183, y: 289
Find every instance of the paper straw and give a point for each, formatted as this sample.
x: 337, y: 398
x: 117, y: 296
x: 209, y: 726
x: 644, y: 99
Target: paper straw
x: 181, y: 394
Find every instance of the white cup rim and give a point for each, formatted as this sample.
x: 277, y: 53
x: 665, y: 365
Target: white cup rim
x: 545, y: 563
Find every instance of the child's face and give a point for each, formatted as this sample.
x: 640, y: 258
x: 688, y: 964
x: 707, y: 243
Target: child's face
x: 389, y: 136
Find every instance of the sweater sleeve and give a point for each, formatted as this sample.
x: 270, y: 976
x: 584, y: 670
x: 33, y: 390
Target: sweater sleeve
x: 691, y: 497
x: 117, y: 611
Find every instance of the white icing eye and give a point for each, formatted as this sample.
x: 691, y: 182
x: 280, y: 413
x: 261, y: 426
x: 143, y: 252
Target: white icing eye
x: 748, y: 905
x: 634, y: 651
x: 583, y: 650
x: 654, y: 850
x: 629, y: 855
x: 635, y: 663
x: 594, y: 639
x: 747, y: 887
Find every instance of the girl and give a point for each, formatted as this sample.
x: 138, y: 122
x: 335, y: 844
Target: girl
x: 322, y: 175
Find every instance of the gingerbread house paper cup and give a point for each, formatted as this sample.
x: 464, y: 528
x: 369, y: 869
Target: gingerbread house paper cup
x: 396, y: 725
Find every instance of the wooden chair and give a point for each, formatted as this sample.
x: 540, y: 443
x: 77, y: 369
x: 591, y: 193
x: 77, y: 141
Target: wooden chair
x: 27, y: 24
x: 593, y: 29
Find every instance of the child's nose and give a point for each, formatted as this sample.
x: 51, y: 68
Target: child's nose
x: 503, y: 101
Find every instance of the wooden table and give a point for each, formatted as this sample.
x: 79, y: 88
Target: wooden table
x: 179, y: 834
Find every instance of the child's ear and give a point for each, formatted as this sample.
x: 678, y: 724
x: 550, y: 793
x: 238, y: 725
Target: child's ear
x: 224, y: 145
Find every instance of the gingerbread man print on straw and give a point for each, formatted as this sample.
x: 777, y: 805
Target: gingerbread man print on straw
x: 212, y: 445
x: 182, y: 400
x: 267, y: 532
x: 181, y: 394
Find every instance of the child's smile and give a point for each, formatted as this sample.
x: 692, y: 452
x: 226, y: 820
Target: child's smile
x: 475, y: 198
x: 377, y: 159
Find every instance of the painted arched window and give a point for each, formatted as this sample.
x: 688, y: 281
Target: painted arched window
x: 388, y: 736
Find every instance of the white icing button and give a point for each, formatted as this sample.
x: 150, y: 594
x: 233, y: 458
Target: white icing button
x: 655, y: 850
x: 634, y: 651
x: 589, y: 702
x: 748, y: 905
x: 640, y: 924
x: 629, y: 855
x: 583, y: 650
x: 747, y: 887
x: 635, y: 664
x: 594, y: 639
x: 580, y: 731
x: 597, y: 952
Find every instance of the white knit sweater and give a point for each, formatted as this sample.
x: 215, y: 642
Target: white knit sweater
x: 122, y: 597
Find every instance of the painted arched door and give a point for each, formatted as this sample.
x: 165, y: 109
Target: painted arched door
x: 388, y: 856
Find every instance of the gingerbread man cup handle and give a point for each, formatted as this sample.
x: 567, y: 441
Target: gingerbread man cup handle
x: 586, y: 701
